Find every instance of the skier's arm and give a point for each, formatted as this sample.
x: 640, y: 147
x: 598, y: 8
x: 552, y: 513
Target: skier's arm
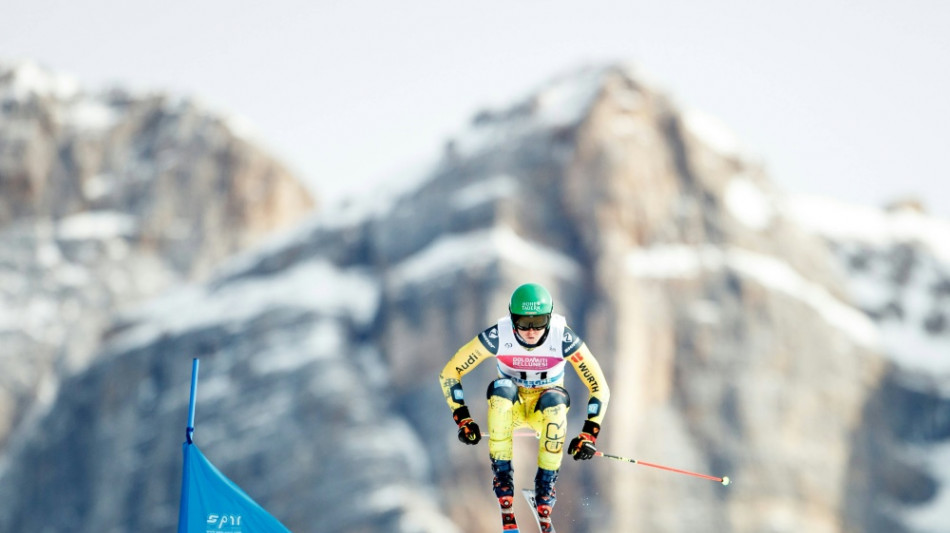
x: 587, y: 367
x: 450, y: 379
x: 465, y: 359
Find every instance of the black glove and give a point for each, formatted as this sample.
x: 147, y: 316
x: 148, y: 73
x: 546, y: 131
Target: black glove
x: 468, y: 429
x: 582, y: 447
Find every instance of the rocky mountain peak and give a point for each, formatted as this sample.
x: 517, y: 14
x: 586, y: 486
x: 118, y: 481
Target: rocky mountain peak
x: 107, y: 199
x: 728, y: 333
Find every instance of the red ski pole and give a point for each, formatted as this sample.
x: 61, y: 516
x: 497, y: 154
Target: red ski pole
x: 724, y: 479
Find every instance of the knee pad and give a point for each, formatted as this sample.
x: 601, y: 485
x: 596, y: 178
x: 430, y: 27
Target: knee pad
x: 503, y: 388
x: 553, y: 397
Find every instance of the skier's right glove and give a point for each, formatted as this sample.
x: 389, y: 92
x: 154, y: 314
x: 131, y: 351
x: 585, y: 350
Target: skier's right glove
x: 468, y: 429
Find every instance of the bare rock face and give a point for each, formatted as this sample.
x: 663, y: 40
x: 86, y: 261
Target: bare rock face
x: 723, y: 326
x: 196, y: 188
x: 108, y: 199
x: 731, y: 337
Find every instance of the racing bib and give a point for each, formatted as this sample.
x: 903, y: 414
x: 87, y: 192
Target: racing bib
x: 538, y: 367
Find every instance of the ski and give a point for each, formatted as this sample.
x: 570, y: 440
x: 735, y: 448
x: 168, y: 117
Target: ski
x: 507, y: 506
x: 544, y: 522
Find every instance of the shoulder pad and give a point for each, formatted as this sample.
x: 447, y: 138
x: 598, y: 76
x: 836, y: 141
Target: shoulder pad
x: 570, y: 342
x: 489, y: 339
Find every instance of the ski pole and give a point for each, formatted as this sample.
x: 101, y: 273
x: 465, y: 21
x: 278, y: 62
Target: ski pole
x: 724, y: 479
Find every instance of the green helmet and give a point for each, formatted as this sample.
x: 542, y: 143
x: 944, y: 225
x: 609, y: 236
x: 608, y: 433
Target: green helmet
x: 531, y: 299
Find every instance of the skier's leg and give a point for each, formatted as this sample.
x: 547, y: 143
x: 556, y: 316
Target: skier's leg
x: 544, y: 497
x: 502, y: 401
x: 550, y: 417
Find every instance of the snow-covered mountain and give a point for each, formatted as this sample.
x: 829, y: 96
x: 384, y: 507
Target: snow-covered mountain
x: 896, y: 266
x: 107, y: 199
x: 735, y: 335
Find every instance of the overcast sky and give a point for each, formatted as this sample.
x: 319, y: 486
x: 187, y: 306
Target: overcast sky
x: 842, y: 98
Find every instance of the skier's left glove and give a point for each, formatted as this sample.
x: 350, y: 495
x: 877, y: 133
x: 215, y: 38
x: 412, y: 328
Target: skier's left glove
x: 582, y: 447
x: 468, y: 429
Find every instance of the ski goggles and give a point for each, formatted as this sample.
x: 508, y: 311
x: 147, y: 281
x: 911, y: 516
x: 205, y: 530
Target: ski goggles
x: 526, y: 322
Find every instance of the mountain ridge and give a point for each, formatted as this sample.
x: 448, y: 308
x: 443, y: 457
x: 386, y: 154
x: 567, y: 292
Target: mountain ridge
x: 724, y: 327
x: 106, y: 199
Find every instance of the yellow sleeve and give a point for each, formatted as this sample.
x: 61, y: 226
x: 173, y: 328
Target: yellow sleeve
x: 590, y: 373
x: 465, y: 359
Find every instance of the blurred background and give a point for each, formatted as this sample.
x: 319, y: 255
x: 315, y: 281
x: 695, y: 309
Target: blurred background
x: 836, y: 98
x: 740, y: 207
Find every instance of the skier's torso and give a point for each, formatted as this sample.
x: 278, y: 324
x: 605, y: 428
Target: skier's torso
x: 532, y: 369
x: 541, y: 366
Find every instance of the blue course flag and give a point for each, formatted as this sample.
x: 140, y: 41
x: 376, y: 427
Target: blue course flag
x: 210, y: 502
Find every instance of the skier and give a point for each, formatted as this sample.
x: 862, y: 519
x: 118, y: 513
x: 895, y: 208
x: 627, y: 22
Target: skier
x: 532, y: 345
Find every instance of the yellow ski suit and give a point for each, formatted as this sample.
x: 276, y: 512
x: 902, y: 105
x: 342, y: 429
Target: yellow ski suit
x: 529, y: 389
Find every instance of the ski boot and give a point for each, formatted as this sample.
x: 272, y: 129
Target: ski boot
x: 504, y: 487
x: 545, y: 498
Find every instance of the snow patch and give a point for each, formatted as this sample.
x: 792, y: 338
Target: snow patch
x: 48, y: 254
x: 215, y: 387
x: 711, y: 131
x: 687, y: 262
x: 96, y: 225
x: 479, y: 248
x: 870, y: 225
x: 912, y: 349
x: 98, y: 186
x: 567, y: 100
x: 316, y: 285
x: 325, y: 340
x: 492, y: 189
x: 36, y: 316
x: 242, y: 127
x: 30, y: 79
x: 875, y: 234
x: 560, y: 103
x: 748, y: 203
x: 88, y: 115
